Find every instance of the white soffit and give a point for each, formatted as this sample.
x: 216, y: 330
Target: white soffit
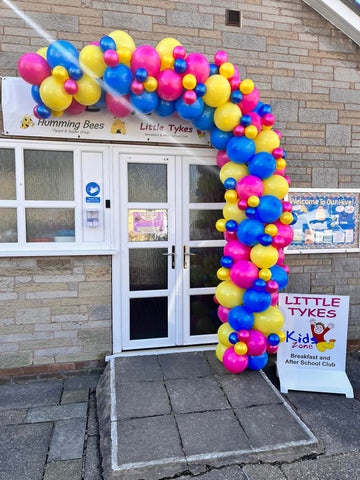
x: 340, y: 15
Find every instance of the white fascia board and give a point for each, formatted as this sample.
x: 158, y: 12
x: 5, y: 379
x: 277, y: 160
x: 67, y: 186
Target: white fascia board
x: 336, y: 12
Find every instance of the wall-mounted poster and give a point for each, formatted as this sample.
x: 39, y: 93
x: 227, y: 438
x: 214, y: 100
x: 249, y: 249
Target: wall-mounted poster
x: 326, y: 220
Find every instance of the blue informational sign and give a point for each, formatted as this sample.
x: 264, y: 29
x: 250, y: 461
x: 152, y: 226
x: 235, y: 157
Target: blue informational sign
x: 92, y: 189
x: 92, y: 199
x: 325, y: 220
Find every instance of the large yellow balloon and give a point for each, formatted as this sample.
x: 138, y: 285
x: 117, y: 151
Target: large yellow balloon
x: 232, y: 212
x: 217, y: 91
x: 91, y: 60
x: 223, y: 334
x: 268, y: 321
x: 227, y: 116
x: 89, y: 91
x: 166, y: 46
x: 220, y: 350
x: 122, y: 39
x: 233, y: 170
x: 228, y: 294
x: 266, y: 141
x: 42, y: 52
x: 264, y: 257
x: 276, y: 185
x: 52, y: 93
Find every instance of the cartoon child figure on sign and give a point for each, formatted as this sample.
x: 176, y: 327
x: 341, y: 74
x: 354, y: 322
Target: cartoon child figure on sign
x: 319, y: 331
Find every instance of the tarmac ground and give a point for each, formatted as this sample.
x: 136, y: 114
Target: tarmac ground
x: 177, y: 416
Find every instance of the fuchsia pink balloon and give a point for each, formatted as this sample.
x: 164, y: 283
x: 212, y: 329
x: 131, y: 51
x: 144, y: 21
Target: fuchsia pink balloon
x: 179, y: 52
x: 220, y: 57
x: 249, y: 186
x: 285, y: 231
x: 243, y: 274
x: 189, y: 97
x: 234, y: 83
x: 249, y: 101
x: 237, y: 250
x: 33, y: 68
x: 257, y: 343
x: 222, y: 158
x: 272, y: 348
x: 274, y: 299
x: 118, y: 105
x: 272, y: 286
x: 169, y: 85
x: 70, y: 86
x: 255, y: 120
x: 146, y: 57
x: 111, y: 58
x: 233, y: 362
x: 230, y: 236
x: 281, y: 256
x: 238, y: 130
x: 75, y: 108
x: 137, y: 87
x: 197, y: 65
x: 223, y: 313
x: 243, y: 336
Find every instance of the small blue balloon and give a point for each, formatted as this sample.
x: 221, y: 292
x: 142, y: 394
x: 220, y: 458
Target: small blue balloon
x: 265, y: 240
x: 257, y: 363
x: 107, y: 43
x: 180, y: 65
x: 262, y: 165
x: 269, y: 209
x: 213, y: 69
x: 258, y: 106
x: 284, y: 154
x: 240, y: 149
x: 206, y: 119
x: 249, y: 230
x: 146, y: 102
x: 295, y: 218
x: 75, y: 72
x: 245, y: 120
x: 259, y: 284
x: 200, y: 89
x: 256, y: 301
x: 62, y: 53
x: 236, y: 96
x: 280, y: 276
x: 233, y: 338
x: 219, y: 138
x: 240, y: 319
x: 273, y: 339
x: 230, y: 183
x: 43, y: 111
x: 118, y: 79
x: 250, y: 212
x: 264, y: 109
x: 231, y: 225
x: 165, y: 108
x: 141, y: 75
x: 189, y: 112
x: 226, y: 261
x: 35, y: 93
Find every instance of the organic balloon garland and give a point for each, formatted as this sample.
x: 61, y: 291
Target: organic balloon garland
x: 114, y: 74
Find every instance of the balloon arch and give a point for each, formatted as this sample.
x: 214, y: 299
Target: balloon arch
x: 114, y: 74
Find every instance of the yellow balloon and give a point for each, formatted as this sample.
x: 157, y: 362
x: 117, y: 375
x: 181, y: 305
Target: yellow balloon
x: 286, y: 218
x: 271, y: 230
x: 91, y: 61
x: 232, y: 212
x: 189, y: 81
x: 227, y: 116
x: 276, y: 185
x: 253, y: 201
x: 265, y: 274
x: 223, y: 334
x: 150, y: 84
x: 280, y: 164
x: 57, y: 113
x: 231, y: 196
x: 233, y: 170
x: 89, y: 91
x: 166, y: 46
x: 251, y: 131
x: 223, y: 273
x: 42, y: 52
x: 240, y: 348
x: 217, y: 91
x: 246, y: 86
x: 264, y: 257
x: 268, y: 321
x: 52, y: 93
x: 220, y: 350
x: 266, y: 141
x: 227, y: 70
x: 229, y: 295
x: 122, y: 39
x: 60, y: 73
x: 220, y: 225
x: 167, y: 62
x: 281, y: 335
x: 124, y: 54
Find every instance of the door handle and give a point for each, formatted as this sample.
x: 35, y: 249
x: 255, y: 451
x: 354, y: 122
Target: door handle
x: 172, y: 255
x: 186, y: 255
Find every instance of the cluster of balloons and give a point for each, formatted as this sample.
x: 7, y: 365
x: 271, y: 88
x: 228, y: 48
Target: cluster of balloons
x: 114, y: 74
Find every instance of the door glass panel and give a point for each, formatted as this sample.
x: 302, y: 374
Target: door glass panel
x: 204, y: 265
x: 148, y: 318
x: 147, y: 182
x: 50, y: 225
x: 48, y: 175
x: 7, y: 174
x: 8, y: 226
x: 203, y: 315
x: 146, y: 225
x: 202, y: 225
x: 205, y: 184
x: 148, y: 268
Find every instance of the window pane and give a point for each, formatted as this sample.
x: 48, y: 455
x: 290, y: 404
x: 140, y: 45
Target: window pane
x: 48, y: 175
x: 7, y: 174
x: 204, y: 265
x: 202, y: 225
x: 50, y: 225
x: 148, y: 318
x: 203, y: 315
x: 147, y: 182
x: 8, y: 226
x: 148, y: 268
x: 205, y: 184
x: 147, y: 225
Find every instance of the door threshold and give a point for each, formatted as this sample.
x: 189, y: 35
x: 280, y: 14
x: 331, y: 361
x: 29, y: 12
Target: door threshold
x: 162, y: 351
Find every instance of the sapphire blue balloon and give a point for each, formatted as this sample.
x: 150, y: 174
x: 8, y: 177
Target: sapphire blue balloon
x: 118, y: 79
x: 249, y: 230
x: 273, y: 339
x: 256, y: 300
x: 236, y: 96
x: 75, y: 72
x: 250, y: 212
x: 107, y: 43
x: 141, y: 75
x: 259, y: 284
x: 284, y: 154
x: 62, y: 53
x: 200, y: 89
x: 35, y: 93
x: 146, y: 102
x: 264, y: 109
x: 295, y: 218
x: 269, y: 209
x: 219, y: 138
x: 240, y: 319
x: 280, y: 276
x: 206, y: 119
x: 231, y: 225
x: 258, y: 106
x: 240, y: 149
x: 230, y: 183
x: 180, y: 65
x: 165, y: 108
x: 226, y: 261
x: 262, y: 165
x: 43, y: 111
x: 245, y: 120
x: 265, y: 240
x: 189, y: 112
x: 233, y: 338
x: 257, y: 363
x: 213, y: 69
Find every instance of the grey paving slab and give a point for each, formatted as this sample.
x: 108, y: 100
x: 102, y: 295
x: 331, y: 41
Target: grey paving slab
x: 30, y: 394
x: 248, y: 389
x: 74, y: 396
x: 268, y: 425
x: 352, y: 370
x: 141, y: 399
x: 92, y: 459
x: 67, y: 442
x: 64, y: 470
x: 226, y: 473
x: 338, y: 467
x: 333, y: 418
x: 196, y: 395
x: 58, y: 412
x: 216, y: 367
x: 184, y: 365
x: 81, y: 382
x: 92, y: 425
x: 211, y: 432
x: 137, y: 369
x: 11, y: 417
x: 263, y: 472
x: 23, y: 450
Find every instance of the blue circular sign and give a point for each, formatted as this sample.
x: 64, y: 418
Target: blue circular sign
x: 92, y: 189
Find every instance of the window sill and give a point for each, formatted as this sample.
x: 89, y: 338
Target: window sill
x: 32, y: 252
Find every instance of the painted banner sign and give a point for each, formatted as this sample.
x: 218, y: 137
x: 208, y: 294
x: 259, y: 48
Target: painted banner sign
x: 313, y: 355
x: 325, y: 220
x: 93, y: 123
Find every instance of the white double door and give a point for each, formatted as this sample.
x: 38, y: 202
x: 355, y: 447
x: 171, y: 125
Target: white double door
x: 170, y: 249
